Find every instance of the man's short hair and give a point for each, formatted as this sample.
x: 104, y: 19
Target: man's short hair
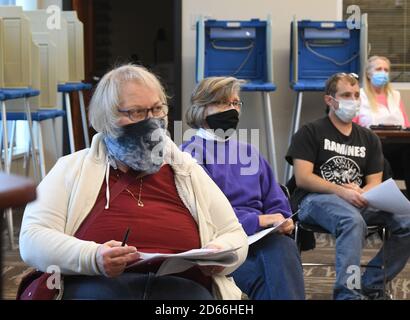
x: 331, y: 83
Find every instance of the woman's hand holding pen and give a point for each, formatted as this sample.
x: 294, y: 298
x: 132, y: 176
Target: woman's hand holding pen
x: 112, y: 258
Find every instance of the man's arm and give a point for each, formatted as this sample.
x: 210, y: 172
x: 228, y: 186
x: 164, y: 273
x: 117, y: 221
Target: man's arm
x: 306, y: 179
x: 372, y: 180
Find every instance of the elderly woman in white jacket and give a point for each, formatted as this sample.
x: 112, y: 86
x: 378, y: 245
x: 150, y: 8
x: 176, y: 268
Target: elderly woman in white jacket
x: 132, y: 178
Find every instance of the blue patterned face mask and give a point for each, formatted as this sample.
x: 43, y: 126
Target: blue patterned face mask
x: 379, y: 78
x: 140, y: 145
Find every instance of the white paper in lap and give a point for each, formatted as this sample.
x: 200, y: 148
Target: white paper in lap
x: 388, y: 197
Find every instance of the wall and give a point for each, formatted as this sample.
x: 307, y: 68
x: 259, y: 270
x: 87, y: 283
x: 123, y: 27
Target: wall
x: 283, y: 98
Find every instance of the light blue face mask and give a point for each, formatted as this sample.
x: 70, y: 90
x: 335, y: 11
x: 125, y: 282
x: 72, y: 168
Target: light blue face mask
x: 348, y: 109
x: 140, y: 145
x: 379, y: 78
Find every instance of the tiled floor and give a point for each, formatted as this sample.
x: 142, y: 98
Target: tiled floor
x: 318, y: 280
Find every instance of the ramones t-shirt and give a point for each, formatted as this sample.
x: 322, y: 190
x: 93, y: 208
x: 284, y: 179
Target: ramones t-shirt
x: 337, y: 158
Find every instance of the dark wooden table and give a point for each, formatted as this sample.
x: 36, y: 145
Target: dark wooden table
x: 15, y: 192
x: 393, y: 136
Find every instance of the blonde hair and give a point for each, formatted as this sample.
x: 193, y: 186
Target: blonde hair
x: 368, y: 87
x: 208, y: 91
x: 103, y: 110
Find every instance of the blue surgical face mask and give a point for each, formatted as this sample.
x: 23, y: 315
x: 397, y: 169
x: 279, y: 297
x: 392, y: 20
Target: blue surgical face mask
x: 140, y: 145
x: 379, y: 78
x: 348, y: 109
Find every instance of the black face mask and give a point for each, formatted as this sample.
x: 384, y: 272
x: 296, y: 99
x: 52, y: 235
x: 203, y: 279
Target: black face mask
x: 223, y: 121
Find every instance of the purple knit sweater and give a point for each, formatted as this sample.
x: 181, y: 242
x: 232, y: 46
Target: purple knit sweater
x: 243, y: 175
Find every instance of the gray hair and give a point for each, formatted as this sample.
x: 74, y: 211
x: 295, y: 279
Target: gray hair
x: 208, y: 91
x: 103, y: 109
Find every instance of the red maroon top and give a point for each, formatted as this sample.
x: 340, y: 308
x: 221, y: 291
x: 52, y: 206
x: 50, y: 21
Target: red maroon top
x: 162, y: 225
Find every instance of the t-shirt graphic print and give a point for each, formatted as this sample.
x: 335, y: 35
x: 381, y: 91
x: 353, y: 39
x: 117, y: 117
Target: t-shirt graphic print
x: 336, y: 157
x: 341, y: 170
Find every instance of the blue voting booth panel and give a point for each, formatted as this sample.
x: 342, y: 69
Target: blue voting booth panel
x: 237, y: 49
x: 323, y: 49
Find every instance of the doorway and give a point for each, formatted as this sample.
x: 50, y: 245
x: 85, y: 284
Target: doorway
x: 142, y: 32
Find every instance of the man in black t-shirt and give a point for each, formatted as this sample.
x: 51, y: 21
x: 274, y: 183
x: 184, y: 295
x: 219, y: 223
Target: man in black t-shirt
x: 335, y: 161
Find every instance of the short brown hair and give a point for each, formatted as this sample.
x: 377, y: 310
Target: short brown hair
x: 331, y: 83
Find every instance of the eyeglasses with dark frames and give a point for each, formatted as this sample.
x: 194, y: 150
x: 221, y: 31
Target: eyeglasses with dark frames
x: 142, y: 114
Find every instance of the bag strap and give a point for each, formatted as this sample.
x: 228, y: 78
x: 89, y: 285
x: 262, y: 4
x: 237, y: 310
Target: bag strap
x: 122, y: 183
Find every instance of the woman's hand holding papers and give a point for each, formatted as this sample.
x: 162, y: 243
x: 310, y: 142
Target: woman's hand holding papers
x: 271, y: 220
x: 210, y: 270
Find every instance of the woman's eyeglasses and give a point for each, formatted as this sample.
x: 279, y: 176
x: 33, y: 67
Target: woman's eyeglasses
x: 142, y: 114
x: 236, y: 104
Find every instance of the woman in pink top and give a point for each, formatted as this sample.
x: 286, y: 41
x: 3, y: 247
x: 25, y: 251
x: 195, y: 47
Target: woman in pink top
x: 381, y: 104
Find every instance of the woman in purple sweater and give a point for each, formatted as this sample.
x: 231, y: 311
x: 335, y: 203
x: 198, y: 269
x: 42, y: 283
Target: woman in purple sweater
x: 272, y: 269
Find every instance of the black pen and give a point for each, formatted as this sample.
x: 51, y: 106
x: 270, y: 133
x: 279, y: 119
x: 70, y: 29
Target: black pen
x: 125, y: 237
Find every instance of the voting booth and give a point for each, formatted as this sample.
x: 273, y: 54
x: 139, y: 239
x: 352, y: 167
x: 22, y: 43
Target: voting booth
x: 320, y: 49
x: 75, y: 40
x: 15, y: 48
x: 53, y: 56
x: 241, y: 49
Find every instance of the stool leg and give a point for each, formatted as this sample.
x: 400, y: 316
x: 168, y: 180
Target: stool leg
x: 5, y: 136
x: 41, y: 152
x: 1, y: 146
x: 84, y: 119
x: 69, y: 121
x: 33, y: 145
x: 12, y: 141
x: 26, y: 159
x: 54, y: 124
x: 10, y: 227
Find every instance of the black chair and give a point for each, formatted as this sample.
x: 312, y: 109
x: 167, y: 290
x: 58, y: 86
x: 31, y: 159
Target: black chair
x: 305, y: 239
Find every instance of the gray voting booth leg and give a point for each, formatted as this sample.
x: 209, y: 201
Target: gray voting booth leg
x: 84, y: 119
x: 66, y: 96
x: 33, y: 141
x: 270, y: 133
x: 297, y: 110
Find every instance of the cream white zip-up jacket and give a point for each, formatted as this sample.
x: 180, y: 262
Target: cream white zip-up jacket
x: 68, y: 193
